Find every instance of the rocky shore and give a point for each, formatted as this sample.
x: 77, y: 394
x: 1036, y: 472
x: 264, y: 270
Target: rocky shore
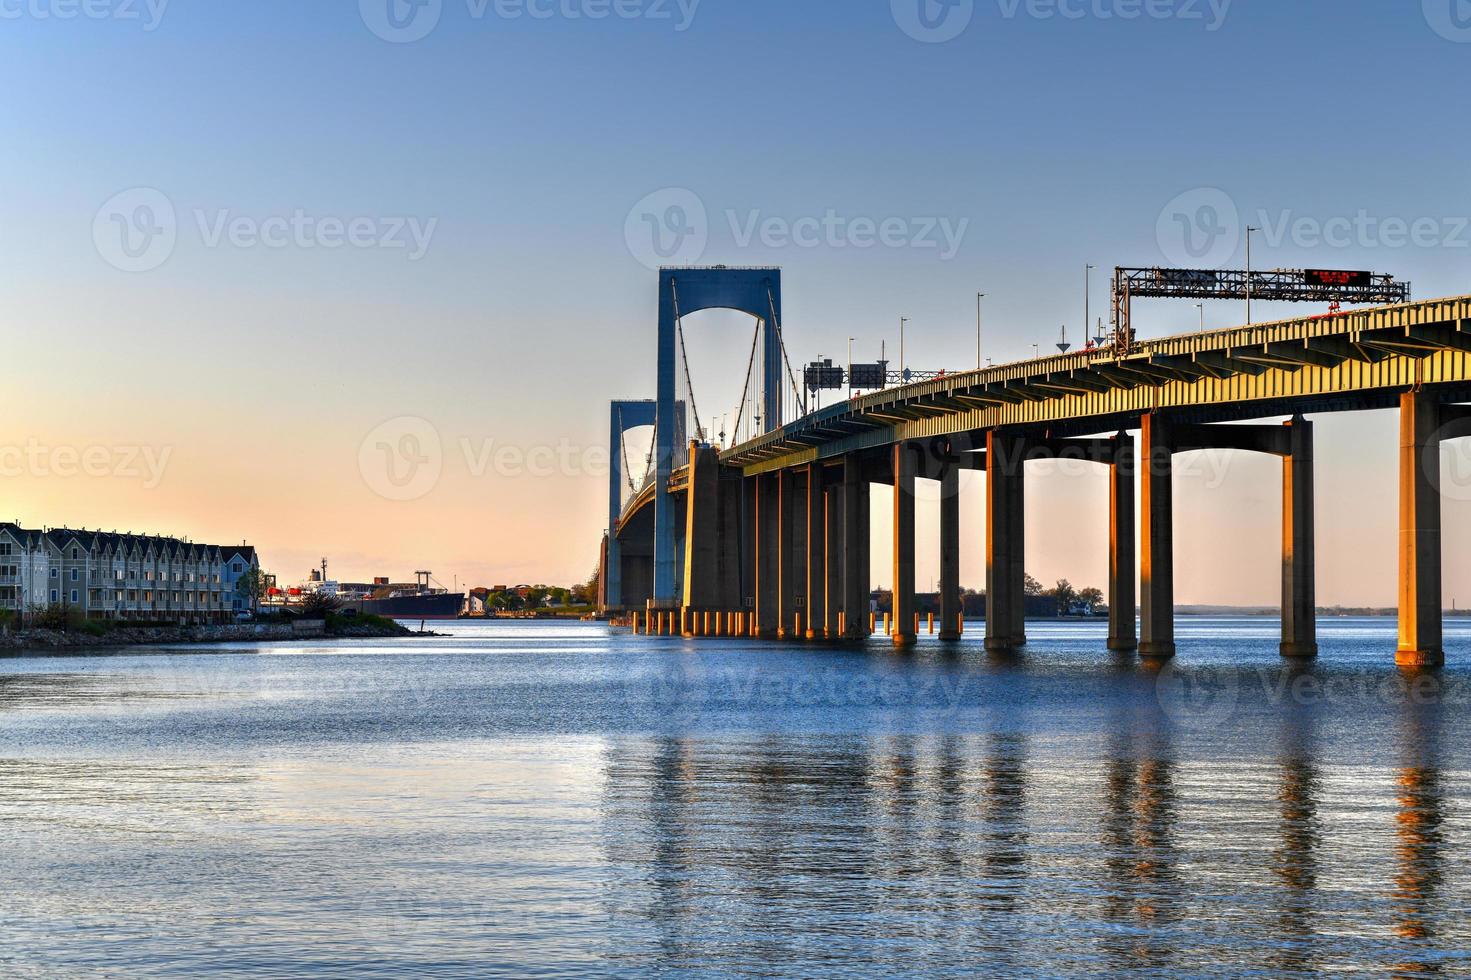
x: 124, y: 636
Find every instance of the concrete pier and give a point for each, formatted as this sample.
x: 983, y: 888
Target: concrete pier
x: 1156, y: 541
x: 950, y: 599
x: 1420, y: 641
x: 904, y: 605
x: 1005, y: 543
x: 702, y: 558
x: 857, y: 572
x: 1299, y: 560
x: 815, y: 564
x: 790, y: 513
x: 833, y: 561
x: 768, y: 564
x: 1122, y: 629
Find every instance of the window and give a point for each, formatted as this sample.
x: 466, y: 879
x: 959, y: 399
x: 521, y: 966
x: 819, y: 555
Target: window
x: 236, y: 567
x: 55, y: 572
x: 74, y: 595
x: 75, y: 553
x: 74, y: 574
x: 53, y: 596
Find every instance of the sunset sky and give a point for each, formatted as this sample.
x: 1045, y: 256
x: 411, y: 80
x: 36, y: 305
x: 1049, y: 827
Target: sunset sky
x: 247, y: 246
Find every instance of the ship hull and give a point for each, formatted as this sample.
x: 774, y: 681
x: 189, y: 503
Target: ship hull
x: 429, y: 606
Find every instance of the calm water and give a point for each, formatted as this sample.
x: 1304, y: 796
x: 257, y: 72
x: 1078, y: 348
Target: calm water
x: 566, y: 800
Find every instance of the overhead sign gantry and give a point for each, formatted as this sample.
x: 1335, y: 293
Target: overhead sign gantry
x: 1335, y: 286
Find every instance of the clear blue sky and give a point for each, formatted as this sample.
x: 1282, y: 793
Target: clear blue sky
x: 1057, y: 141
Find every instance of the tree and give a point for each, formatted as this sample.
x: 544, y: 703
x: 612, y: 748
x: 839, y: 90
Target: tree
x: 1092, y: 598
x: 587, y: 593
x: 1064, y: 595
x: 1032, y: 587
x: 252, y: 587
x: 317, y: 605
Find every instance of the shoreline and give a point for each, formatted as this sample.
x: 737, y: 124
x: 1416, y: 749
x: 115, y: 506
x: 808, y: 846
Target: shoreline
x: 30, y: 641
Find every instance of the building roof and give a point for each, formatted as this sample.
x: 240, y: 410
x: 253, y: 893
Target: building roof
x: 111, y: 542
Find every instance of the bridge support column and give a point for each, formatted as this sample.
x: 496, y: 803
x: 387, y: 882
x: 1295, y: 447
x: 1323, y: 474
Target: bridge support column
x: 1299, y: 559
x: 816, y: 563
x: 950, y: 599
x: 702, y: 558
x: 1156, y: 540
x: 790, y: 513
x: 768, y: 564
x: 904, y: 607
x: 1122, y: 631
x: 857, y: 572
x: 1420, y: 640
x: 1006, y: 627
x: 746, y: 600
x: 833, y: 560
x: 732, y: 543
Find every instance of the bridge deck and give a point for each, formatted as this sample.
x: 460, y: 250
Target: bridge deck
x: 1354, y: 360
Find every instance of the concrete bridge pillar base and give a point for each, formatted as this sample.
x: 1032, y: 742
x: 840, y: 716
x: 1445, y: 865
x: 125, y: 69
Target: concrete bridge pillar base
x: 1415, y: 659
x: 1157, y: 651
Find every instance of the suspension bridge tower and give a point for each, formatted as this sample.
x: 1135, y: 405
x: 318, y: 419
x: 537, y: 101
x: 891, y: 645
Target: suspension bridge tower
x: 756, y: 291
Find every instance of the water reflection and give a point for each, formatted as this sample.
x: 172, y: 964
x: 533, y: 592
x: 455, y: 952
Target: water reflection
x: 1137, y: 842
x: 1295, y: 858
x: 1419, y: 823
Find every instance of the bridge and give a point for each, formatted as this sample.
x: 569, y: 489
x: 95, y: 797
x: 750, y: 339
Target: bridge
x: 772, y: 534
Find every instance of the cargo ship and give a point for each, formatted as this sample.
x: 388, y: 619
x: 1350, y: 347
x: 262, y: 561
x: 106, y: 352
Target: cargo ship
x: 410, y: 604
x: 420, y: 599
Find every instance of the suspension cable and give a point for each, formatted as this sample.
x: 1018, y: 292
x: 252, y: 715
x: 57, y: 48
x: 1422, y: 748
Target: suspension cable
x: 685, y: 357
x: 781, y: 342
x: 623, y: 447
x: 746, y: 388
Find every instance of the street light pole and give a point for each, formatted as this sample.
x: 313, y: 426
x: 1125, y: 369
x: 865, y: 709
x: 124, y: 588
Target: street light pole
x: 1249, y: 230
x: 978, y: 330
x: 1201, y: 308
x: 850, y: 368
x: 902, y: 320
x: 1087, y: 300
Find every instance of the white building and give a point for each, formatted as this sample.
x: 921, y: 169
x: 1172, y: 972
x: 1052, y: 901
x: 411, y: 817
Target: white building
x: 106, y: 575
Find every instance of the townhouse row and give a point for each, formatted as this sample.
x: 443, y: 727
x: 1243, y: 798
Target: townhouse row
x: 106, y: 575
